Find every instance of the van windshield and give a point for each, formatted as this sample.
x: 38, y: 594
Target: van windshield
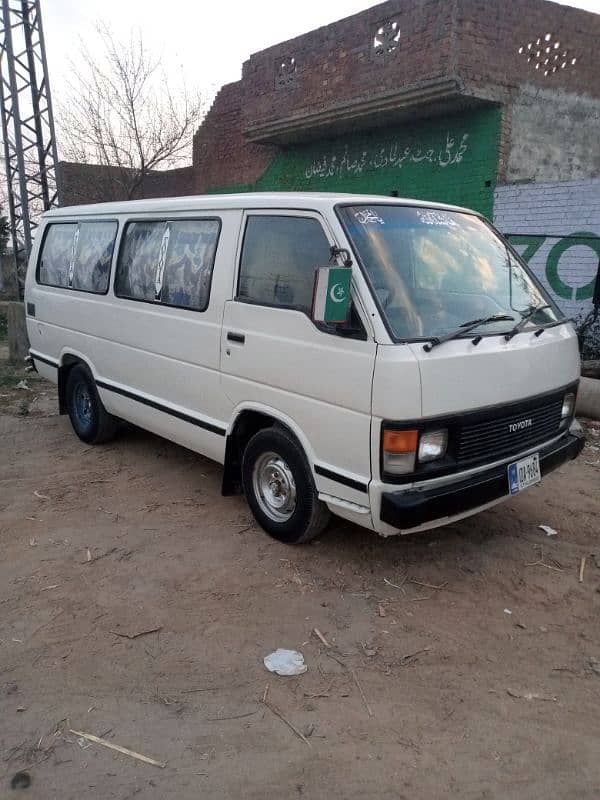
x: 433, y: 270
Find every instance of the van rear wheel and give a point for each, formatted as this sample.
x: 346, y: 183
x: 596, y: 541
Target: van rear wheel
x: 90, y: 420
x: 279, y: 487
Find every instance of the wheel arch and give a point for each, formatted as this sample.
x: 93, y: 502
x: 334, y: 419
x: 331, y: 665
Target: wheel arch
x: 247, y: 420
x: 69, y: 359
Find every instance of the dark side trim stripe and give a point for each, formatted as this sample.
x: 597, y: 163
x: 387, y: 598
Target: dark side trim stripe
x: 44, y: 360
x: 165, y: 409
x: 335, y: 476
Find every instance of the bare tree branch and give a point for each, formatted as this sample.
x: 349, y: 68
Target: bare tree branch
x: 121, y: 113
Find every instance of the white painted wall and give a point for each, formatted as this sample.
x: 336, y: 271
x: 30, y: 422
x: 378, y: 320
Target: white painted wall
x: 553, y: 211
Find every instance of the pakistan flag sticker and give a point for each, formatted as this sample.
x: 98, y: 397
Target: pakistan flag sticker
x: 331, y: 300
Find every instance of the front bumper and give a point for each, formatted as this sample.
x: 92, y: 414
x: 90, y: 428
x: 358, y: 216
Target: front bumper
x: 411, y: 509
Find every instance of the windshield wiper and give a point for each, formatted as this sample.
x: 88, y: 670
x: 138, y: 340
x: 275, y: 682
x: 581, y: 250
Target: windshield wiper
x: 524, y: 320
x: 465, y: 328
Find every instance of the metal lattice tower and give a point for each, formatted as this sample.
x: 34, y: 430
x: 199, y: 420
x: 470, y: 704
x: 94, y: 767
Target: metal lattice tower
x: 27, y: 121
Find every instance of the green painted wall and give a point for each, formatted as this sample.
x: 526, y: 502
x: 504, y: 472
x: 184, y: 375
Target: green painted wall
x: 448, y: 159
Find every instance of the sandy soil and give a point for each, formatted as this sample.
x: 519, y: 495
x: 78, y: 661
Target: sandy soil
x: 480, y: 674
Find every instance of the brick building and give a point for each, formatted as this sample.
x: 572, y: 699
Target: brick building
x: 491, y: 105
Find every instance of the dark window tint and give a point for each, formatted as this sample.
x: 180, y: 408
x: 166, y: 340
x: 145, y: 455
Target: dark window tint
x: 138, y: 261
x: 57, y: 252
x: 93, y: 255
x: 189, y: 263
x: 279, y: 259
x: 168, y: 262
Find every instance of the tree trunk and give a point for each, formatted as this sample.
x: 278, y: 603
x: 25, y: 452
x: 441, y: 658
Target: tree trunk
x: 18, y: 341
x: 9, y: 282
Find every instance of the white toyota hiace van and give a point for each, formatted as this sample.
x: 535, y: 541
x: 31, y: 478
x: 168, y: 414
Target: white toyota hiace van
x: 391, y: 361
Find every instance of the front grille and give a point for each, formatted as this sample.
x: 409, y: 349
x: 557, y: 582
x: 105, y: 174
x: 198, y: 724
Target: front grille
x: 493, y: 437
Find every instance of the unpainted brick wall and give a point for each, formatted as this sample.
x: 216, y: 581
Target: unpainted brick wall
x: 221, y: 155
x: 94, y: 183
x: 335, y: 63
x: 489, y: 34
x: 556, y: 227
x: 475, y: 40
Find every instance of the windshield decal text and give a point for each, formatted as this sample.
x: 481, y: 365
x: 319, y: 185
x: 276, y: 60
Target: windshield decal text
x: 367, y: 216
x: 430, y: 216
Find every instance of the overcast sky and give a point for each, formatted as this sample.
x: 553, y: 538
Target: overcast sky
x: 209, y: 40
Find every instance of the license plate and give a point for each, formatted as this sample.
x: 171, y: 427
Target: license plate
x: 524, y: 473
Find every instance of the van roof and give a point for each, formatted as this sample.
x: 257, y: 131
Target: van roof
x: 318, y: 201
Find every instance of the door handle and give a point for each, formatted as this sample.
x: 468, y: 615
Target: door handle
x: 236, y: 337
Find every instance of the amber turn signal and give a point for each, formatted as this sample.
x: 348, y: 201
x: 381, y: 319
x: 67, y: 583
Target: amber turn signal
x: 400, y: 441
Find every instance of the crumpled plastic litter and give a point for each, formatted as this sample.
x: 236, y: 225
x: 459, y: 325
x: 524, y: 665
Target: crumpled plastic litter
x: 548, y: 530
x: 285, y: 662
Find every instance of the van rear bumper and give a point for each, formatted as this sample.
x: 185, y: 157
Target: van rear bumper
x: 413, y: 508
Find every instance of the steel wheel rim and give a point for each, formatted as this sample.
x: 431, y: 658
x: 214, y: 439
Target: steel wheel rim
x: 274, y: 487
x: 83, y: 404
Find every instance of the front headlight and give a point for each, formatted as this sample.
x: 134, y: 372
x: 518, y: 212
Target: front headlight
x: 432, y: 445
x: 568, y: 406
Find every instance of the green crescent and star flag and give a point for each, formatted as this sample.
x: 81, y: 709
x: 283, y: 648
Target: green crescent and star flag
x: 331, y: 300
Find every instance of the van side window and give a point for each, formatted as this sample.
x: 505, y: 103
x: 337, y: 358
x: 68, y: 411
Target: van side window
x: 78, y: 255
x: 138, y: 260
x: 55, y: 258
x: 168, y: 262
x: 189, y: 263
x: 279, y: 257
x: 93, y: 256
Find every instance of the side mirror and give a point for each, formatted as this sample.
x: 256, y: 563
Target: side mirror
x: 331, y: 295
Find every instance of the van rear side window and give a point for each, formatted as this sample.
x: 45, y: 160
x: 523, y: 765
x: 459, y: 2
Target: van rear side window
x: 78, y: 256
x: 57, y: 252
x: 168, y: 262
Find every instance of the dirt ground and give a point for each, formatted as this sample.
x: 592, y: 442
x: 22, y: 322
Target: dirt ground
x: 477, y: 675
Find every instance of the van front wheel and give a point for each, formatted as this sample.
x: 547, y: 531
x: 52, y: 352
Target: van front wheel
x: 90, y: 420
x: 279, y: 487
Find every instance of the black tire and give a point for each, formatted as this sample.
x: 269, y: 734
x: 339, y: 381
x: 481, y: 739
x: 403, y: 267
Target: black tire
x: 90, y: 420
x: 309, y: 515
